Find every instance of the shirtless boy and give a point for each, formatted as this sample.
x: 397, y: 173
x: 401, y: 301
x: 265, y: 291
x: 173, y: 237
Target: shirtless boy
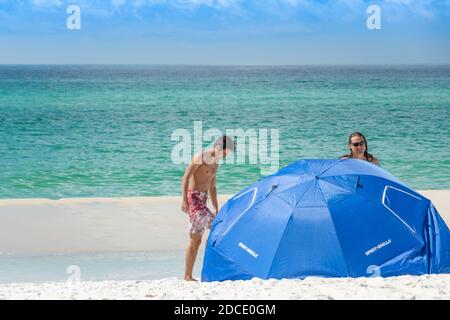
x: 199, y: 180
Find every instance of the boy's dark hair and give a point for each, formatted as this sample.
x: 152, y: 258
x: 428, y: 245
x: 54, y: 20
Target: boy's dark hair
x: 225, y: 143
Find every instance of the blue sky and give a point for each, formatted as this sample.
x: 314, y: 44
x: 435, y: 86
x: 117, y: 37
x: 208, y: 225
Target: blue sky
x: 225, y: 32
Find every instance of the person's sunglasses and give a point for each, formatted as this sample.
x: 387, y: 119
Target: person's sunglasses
x: 357, y: 144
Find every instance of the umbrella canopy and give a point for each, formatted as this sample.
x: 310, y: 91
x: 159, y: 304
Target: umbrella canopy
x: 330, y: 218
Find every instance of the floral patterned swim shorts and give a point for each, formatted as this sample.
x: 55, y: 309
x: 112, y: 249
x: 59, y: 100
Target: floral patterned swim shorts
x: 200, y: 217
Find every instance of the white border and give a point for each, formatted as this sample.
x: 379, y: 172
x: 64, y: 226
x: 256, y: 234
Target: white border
x: 392, y: 211
x: 255, y: 189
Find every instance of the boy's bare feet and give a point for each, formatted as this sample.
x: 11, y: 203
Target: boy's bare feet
x: 190, y: 279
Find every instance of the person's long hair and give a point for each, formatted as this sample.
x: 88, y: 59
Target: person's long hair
x: 368, y: 156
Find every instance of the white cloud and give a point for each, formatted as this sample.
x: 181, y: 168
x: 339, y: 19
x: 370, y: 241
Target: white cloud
x: 402, y: 8
x: 47, y: 3
x: 117, y: 3
x: 296, y: 3
x: 185, y: 3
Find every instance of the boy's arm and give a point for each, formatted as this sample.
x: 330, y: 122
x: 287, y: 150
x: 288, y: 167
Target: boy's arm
x: 213, y: 192
x: 190, y: 170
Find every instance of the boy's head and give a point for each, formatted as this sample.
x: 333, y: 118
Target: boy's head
x: 223, y: 146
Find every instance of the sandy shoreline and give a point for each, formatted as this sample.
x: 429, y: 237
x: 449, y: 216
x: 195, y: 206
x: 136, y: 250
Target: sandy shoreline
x: 43, y: 226
x: 84, y: 225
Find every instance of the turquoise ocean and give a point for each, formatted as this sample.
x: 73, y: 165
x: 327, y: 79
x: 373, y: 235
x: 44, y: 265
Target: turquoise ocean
x: 105, y: 131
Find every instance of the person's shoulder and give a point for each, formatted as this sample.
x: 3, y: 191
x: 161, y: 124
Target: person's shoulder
x: 345, y: 156
x: 198, y: 158
x: 375, y: 160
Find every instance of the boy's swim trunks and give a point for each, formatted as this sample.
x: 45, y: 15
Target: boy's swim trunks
x: 200, y: 217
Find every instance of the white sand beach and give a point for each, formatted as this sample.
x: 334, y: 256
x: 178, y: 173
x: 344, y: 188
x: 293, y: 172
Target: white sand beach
x: 41, y: 226
x: 406, y: 287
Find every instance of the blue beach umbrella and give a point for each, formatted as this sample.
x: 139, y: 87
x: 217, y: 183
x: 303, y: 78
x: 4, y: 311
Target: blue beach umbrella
x: 329, y: 218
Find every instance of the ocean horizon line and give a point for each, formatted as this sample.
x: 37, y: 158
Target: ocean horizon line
x: 235, y: 65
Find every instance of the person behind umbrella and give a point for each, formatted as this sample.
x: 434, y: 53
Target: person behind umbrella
x: 357, y: 144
